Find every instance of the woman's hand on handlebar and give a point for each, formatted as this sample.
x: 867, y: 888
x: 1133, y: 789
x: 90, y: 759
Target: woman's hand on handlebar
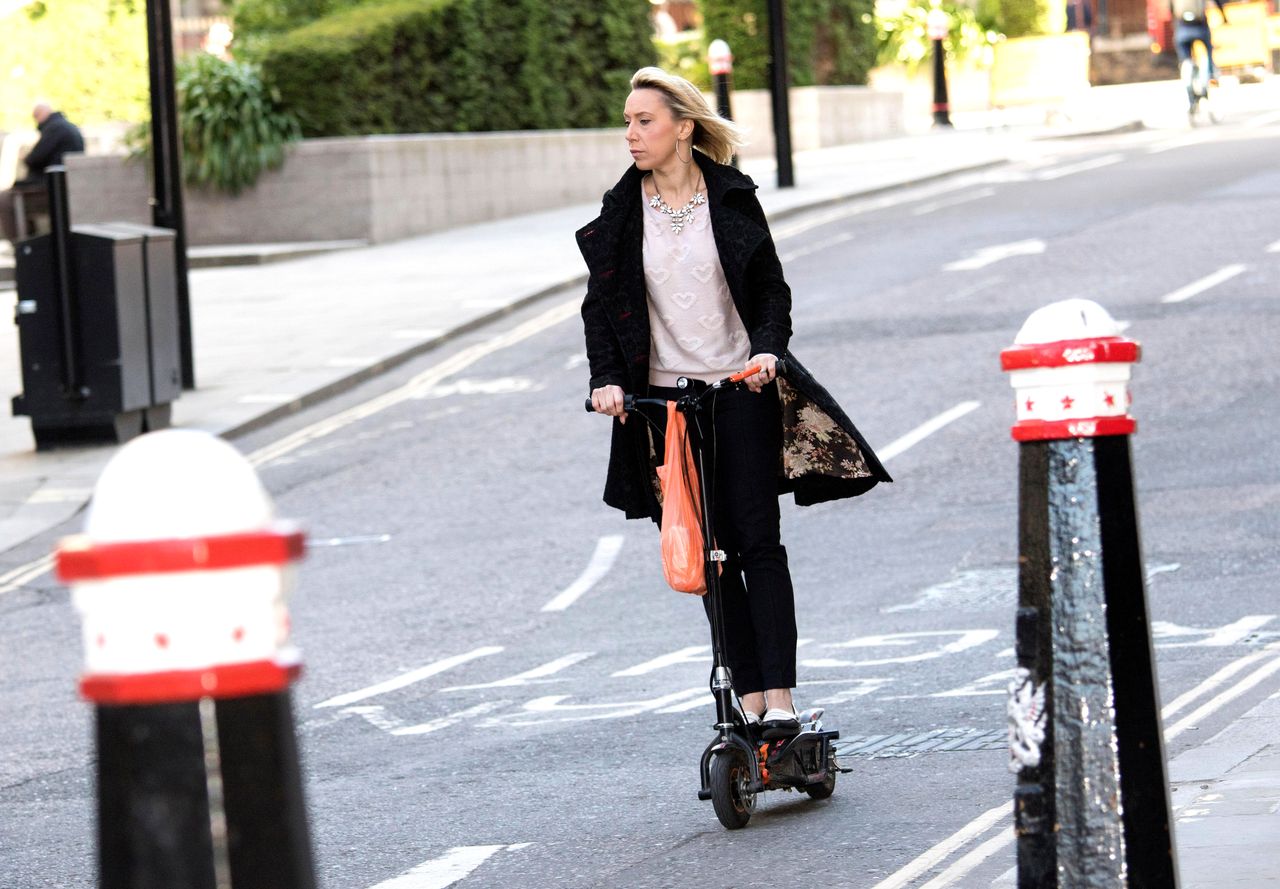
x: 768, y: 365
x: 608, y: 400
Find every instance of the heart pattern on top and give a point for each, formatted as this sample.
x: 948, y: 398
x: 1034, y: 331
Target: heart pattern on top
x: 659, y: 275
x: 738, y: 337
x: 684, y: 299
x: 690, y: 343
x: 680, y: 252
x: 703, y: 272
x: 711, y: 322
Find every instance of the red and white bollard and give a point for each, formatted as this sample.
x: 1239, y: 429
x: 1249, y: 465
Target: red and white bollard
x: 1091, y: 805
x: 180, y: 579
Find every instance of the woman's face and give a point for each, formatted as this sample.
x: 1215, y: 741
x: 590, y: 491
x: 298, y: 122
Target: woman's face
x: 652, y: 131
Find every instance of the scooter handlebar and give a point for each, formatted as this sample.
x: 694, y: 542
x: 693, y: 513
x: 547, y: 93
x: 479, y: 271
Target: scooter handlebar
x: 629, y: 401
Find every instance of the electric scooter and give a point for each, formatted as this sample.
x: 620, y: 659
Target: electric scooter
x: 740, y: 763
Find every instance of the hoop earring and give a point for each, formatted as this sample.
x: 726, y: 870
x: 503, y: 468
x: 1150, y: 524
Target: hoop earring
x: 682, y: 160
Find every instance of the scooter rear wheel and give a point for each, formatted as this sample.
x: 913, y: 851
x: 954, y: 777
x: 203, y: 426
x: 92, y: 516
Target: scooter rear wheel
x: 824, y: 788
x: 730, y: 778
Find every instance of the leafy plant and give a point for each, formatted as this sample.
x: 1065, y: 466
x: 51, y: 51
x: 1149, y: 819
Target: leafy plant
x: 903, y: 35
x: 232, y: 124
x: 685, y: 54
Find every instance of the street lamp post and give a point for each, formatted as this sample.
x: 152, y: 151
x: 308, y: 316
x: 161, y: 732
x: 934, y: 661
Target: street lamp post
x: 166, y: 163
x: 778, y: 86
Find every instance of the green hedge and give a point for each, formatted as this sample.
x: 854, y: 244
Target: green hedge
x: 828, y: 41
x: 417, y: 66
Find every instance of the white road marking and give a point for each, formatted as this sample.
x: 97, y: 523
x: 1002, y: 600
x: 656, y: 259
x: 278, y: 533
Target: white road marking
x: 1211, y: 683
x: 19, y: 577
x: 428, y: 333
x: 942, y: 850
x: 529, y: 676
x: 350, y: 541
x: 376, y: 716
x: 985, y: 256
x: 1179, y: 142
x: 500, y: 386
x: 934, y: 206
x: 1081, y: 167
x: 816, y: 246
x: 585, y: 712
x: 900, y: 445
x: 970, y: 861
x: 980, y: 824
x: 967, y: 639
x: 1264, y: 120
x: 1197, y: 287
x: 60, y: 495
x: 419, y: 385
x: 439, y: 873
x: 607, y: 550
x: 790, y: 230
x: 1226, y: 697
x: 694, y: 654
x: 435, y: 725
x: 407, y: 679
x: 1273, y: 247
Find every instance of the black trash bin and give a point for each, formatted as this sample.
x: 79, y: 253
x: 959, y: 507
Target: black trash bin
x: 99, y: 363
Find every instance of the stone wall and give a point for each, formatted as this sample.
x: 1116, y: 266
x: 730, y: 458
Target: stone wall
x: 383, y: 188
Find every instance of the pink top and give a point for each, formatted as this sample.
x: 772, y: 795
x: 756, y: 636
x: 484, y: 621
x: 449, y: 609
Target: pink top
x: 694, y: 326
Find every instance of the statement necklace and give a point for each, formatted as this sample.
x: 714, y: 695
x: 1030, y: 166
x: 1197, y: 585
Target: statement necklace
x: 679, y: 218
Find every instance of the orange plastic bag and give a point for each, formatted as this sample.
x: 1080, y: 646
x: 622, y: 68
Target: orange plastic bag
x: 683, y: 560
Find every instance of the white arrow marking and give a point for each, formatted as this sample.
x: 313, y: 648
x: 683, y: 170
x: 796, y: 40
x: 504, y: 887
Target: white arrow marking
x: 1093, y: 164
x: 435, y: 725
x: 1196, y: 287
x: 615, y: 710
x: 528, y: 676
x: 988, y: 255
x: 695, y: 654
x: 454, y: 865
x: 410, y: 678
x: 602, y: 560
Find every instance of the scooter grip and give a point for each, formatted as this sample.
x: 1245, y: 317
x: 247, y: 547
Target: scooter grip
x: 628, y: 404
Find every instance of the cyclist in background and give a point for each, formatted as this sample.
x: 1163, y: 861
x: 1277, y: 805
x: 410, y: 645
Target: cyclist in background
x: 1191, y: 23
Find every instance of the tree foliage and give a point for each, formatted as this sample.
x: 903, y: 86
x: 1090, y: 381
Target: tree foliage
x: 401, y: 66
x: 828, y: 41
x: 87, y: 57
x: 904, y: 36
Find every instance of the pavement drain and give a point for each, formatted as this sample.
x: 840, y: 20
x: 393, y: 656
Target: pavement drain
x: 907, y: 744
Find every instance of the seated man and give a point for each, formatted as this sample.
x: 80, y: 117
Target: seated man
x: 57, y: 136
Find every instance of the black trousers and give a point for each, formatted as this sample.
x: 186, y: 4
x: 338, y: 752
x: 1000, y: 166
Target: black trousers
x: 741, y: 437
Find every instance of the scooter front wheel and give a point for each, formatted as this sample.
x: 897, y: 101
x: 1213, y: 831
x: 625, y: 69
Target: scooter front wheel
x: 730, y: 780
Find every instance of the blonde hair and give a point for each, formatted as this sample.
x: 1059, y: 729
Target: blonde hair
x: 714, y: 136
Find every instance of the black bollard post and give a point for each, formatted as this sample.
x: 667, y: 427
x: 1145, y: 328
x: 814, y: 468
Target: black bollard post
x: 779, y: 83
x: 720, y: 61
x: 180, y: 579
x: 939, y: 25
x: 1091, y: 804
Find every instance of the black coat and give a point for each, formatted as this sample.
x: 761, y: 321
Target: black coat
x: 824, y: 457
x: 57, y: 136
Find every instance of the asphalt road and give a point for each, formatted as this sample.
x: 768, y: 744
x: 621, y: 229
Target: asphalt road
x: 559, y: 747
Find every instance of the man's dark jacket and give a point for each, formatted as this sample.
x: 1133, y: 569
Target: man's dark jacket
x: 57, y: 136
x: 824, y: 457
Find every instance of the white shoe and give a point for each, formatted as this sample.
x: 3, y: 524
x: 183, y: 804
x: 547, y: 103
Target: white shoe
x: 779, y: 723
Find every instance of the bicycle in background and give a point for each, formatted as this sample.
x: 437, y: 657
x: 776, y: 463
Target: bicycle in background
x: 1196, y: 79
